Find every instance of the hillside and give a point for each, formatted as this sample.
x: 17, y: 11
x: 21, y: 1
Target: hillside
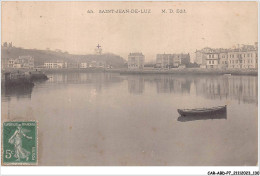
x: 41, y: 56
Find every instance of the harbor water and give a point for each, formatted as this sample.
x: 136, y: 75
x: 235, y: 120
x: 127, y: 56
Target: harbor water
x: 108, y: 119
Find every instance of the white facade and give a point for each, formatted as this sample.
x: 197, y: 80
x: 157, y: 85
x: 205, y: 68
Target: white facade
x: 84, y: 65
x: 54, y: 65
x: 135, y: 61
x: 212, y: 60
x: 245, y: 57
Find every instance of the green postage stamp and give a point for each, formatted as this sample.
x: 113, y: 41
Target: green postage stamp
x: 19, y: 143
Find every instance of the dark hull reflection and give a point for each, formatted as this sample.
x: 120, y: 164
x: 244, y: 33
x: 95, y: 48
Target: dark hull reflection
x: 22, y: 91
x: 40, y: 81
x: 203, y: 117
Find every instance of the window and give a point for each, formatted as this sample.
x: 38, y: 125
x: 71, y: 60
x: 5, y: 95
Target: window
x: 209, y: 56
x: 209, y: 62
x: 213, y: 62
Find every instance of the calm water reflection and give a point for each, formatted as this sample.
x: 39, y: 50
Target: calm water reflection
x: 112, y: 119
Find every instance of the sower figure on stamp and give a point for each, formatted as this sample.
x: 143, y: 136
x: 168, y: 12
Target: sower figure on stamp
x: 16, y: 139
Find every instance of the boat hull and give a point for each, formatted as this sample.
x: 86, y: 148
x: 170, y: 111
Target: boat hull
x: 202, y: 112
x: 202, y: 117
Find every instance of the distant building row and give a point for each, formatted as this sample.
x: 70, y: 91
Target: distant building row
x: 27, y: 62
x: 240, y: 57
x: 59, y: 65
x: 136, y: 60
x: 20, y: 62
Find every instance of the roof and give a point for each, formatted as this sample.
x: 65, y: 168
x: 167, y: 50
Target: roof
x: 136, y: 54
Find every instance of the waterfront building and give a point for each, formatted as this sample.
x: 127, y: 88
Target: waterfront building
x: 94, y: 64
x: 217, y: 58
x: 84, y: 65
x: 26, y: 61
x: 55, y: 65
x: 171, y: 60
x: 223, y: 60
x: 244, y: 57
x: 21, y: 62
x: 10, y: 63
x: 135, y: 61
x: 212, y: 60
x: 201, y: 56
x: 239, y: 57
x: 164, y: 61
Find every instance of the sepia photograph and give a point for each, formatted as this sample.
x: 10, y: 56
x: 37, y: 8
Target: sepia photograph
x: 129, y: 83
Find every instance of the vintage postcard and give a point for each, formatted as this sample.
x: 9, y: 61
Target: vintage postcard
x: 129, y: 83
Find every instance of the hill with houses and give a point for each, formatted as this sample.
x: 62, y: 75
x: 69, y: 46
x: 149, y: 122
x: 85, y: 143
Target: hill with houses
x: 42, y: 56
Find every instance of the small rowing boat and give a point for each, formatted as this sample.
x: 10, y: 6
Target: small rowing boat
x: 203, y: 111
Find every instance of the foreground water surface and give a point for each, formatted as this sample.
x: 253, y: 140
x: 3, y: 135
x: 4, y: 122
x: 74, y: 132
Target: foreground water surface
x: 113, y: 119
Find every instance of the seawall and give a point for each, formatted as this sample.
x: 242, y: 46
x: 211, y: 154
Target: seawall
x: 188, y: 71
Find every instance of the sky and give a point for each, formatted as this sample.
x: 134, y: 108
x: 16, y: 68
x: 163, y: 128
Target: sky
x: 69, y: 27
